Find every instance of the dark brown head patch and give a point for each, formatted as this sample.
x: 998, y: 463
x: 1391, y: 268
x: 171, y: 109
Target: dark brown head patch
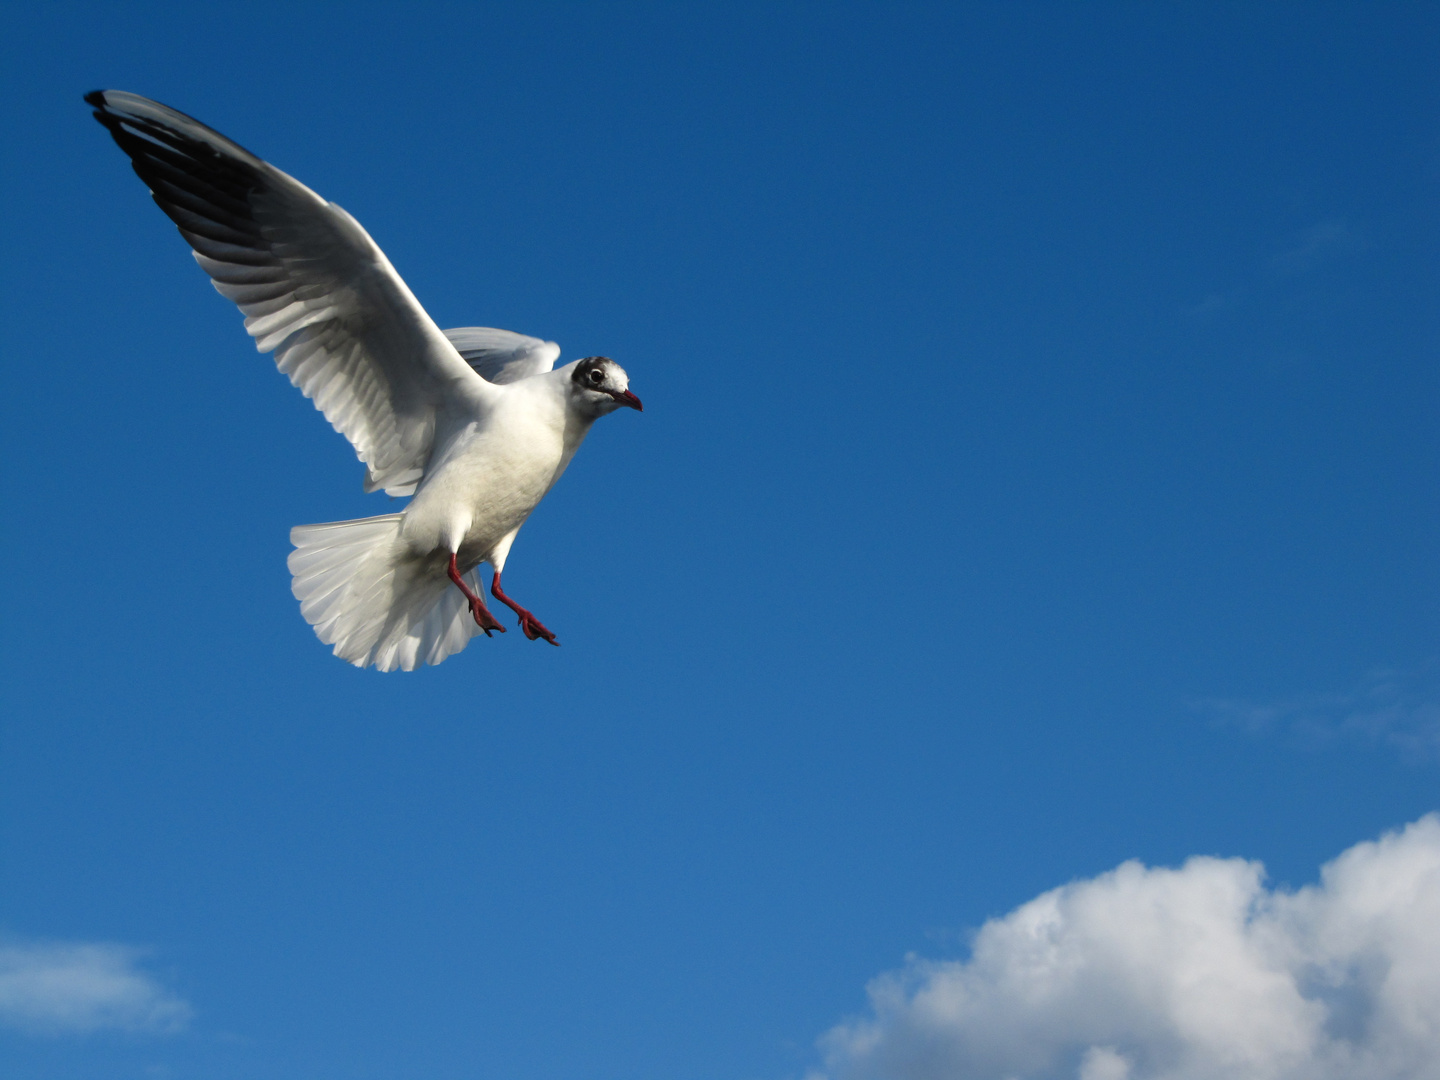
x: 590, y: 372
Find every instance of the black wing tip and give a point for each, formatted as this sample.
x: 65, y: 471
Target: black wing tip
x: 95, y: 98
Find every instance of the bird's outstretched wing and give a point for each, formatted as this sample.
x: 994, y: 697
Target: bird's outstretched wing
x: 314, y: 288
x: 501, y: 356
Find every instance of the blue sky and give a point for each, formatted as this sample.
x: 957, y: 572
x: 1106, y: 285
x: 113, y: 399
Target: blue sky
x: 1038, y: 472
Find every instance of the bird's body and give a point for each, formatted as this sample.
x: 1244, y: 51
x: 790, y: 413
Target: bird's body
x: 486, y: 477
x: 475, y: 423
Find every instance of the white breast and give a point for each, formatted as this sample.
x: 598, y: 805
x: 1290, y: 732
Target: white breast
x: 492, y: 473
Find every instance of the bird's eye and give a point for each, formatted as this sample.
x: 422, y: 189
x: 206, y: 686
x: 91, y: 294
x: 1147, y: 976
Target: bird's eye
x: 597, y: 376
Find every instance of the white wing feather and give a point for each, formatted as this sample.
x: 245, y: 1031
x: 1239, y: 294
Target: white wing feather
x: 313, y: 286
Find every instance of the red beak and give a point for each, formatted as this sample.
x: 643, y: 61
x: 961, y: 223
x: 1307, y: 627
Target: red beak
x: 625, y: 397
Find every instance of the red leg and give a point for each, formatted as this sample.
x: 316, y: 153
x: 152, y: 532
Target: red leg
x: 483, y: 618
x: 532, y: 626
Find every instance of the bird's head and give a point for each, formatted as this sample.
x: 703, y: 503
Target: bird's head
x: 600, y: 386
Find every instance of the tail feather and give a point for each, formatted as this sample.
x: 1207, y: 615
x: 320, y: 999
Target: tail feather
x: 364, y: 594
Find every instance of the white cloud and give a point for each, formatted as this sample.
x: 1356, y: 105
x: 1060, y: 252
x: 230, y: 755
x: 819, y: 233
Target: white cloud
x: 63, y: 988
x: 1200, y: 973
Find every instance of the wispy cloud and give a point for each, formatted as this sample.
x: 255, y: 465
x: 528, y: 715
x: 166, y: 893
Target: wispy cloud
x: 1195, y: 973
x: 75, y: 988
x: 1211, y: 306
x: 1400, y: 709
x: 1306, y: 250
x: 1317, y: 244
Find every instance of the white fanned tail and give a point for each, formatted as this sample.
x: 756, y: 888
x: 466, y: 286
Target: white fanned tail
x: 363, y: 593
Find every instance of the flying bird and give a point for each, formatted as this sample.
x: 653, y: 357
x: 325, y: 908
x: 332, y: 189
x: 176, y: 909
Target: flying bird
x: 475, y: 423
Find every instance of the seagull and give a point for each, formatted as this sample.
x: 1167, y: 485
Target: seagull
x: 476, y: 424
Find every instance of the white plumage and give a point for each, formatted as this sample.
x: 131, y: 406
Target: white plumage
x: 475, y: 423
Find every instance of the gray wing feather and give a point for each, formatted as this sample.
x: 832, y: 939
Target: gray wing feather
x: 500, y: 356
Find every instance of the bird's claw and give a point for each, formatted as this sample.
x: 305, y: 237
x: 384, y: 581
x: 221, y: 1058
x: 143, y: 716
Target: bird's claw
x: 484, y: 619
x: 535, y: 629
